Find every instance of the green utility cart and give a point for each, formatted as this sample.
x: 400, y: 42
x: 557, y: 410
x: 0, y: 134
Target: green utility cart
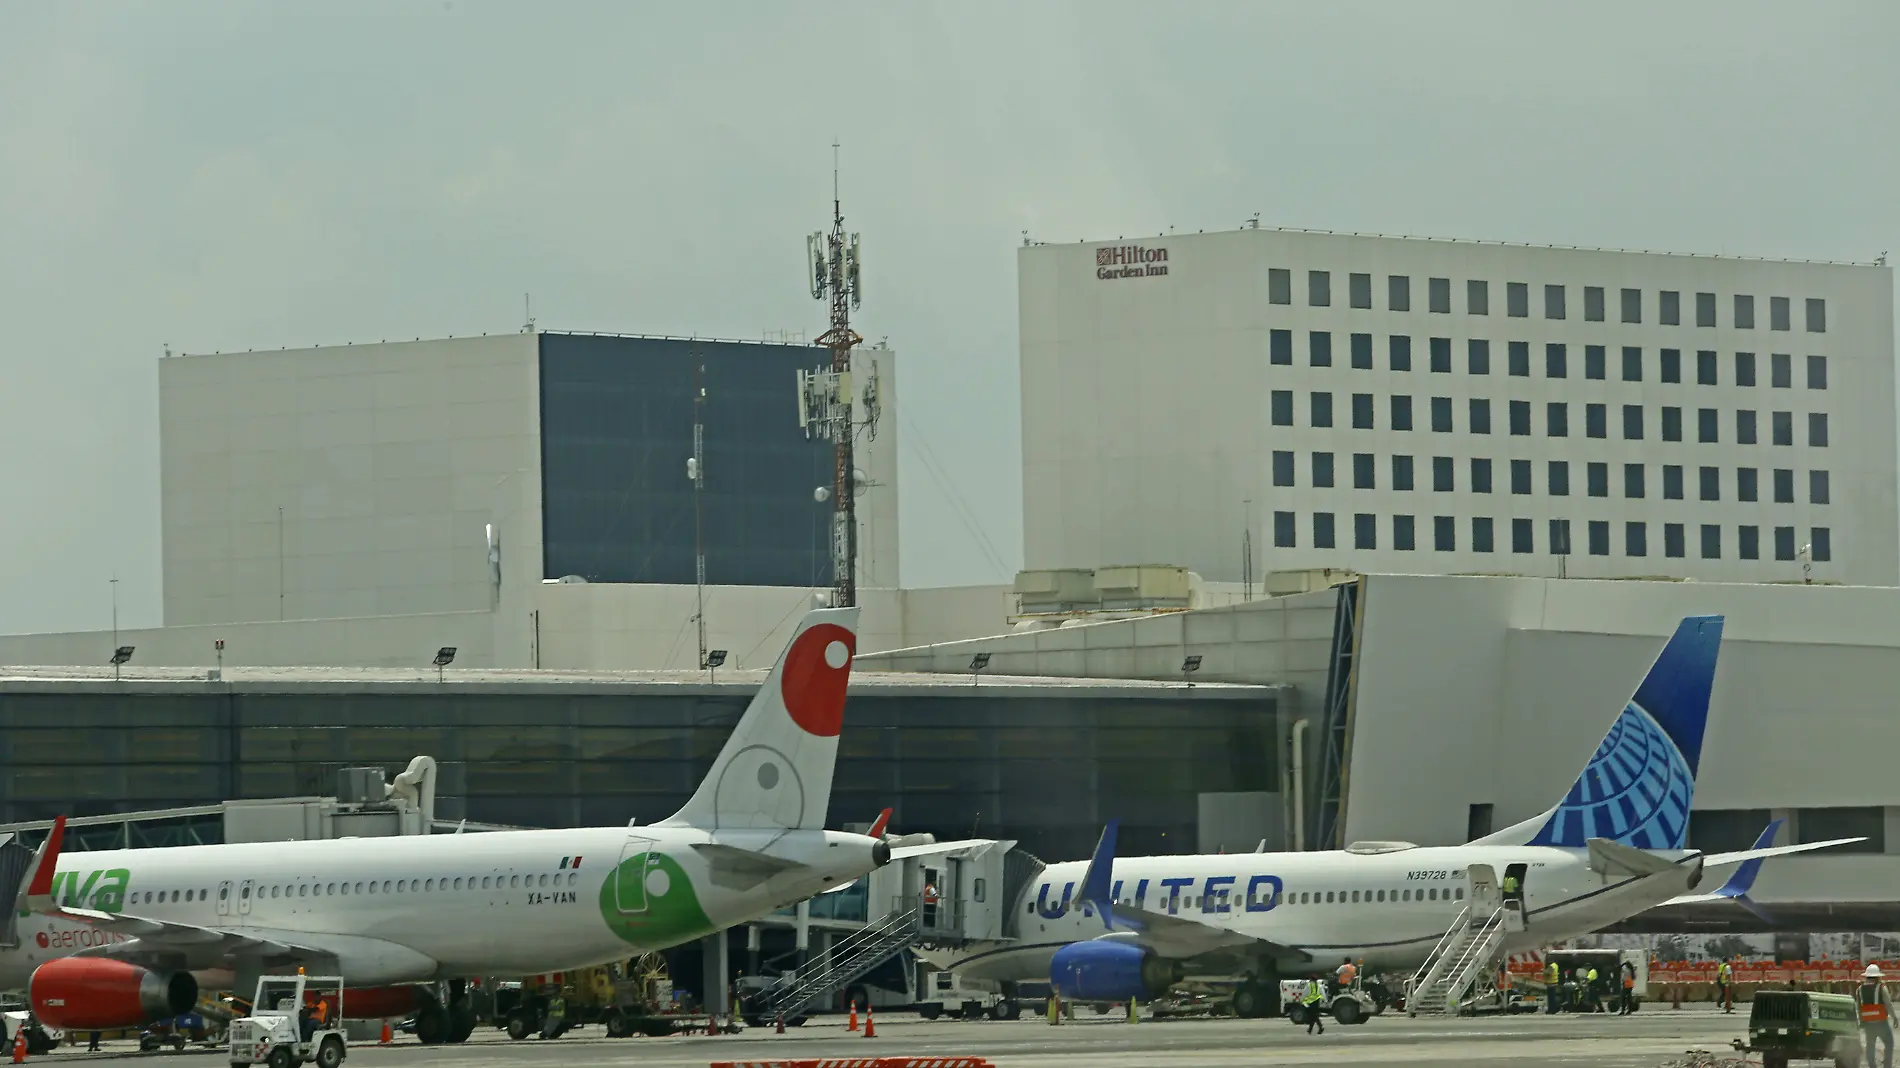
x: 1803, y: 1025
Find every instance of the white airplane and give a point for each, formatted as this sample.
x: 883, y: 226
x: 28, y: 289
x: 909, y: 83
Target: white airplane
x: 117, y: 938
x: 1612, y: 848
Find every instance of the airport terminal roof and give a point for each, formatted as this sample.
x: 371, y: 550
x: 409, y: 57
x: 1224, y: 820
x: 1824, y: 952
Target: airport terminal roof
x: 420, y: 680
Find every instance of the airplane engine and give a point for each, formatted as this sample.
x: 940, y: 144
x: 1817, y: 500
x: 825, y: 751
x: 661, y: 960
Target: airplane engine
x: 99, y: 993
x: 1110, y: 971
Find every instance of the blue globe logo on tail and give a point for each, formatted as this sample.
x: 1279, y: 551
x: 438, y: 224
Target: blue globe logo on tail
x: 1637, y: 788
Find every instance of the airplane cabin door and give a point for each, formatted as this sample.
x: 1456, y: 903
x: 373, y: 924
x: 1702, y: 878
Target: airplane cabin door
x: 244, y: 898
x: 637, y: 865
x: 224, y: 898
x: 1485, y: 898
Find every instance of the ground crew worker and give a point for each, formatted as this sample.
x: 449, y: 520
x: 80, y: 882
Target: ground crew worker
x: 1314, y: 998
x: 1510, y: 887
x: 557, y: 1017
x: 1725, y: 986
x: 321, y: 1013
x: 1553, y: 991
x: 1345, y: 974
x: 1590, y: 983
x: 1629, y: 989
x: 1876, y: 1015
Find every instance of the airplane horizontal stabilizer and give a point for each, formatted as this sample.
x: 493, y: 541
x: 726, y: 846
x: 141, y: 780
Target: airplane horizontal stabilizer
x: 740, y: 869
x: 1614, y: 858
x: 1777, y: 851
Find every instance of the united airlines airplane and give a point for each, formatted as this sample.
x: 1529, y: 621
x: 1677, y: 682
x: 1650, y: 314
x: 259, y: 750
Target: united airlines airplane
x: 116, y: 938
x: 1116, y: 930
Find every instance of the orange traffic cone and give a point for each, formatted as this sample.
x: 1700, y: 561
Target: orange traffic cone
x: 781, y: 1023
x: 712, y: 1024
x: 388, y: 1035
x: 870, y: 1022
x: 19, y: 1045
x: 853, y: 1025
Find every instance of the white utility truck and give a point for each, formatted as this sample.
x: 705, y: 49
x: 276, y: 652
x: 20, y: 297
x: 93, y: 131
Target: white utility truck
x: 282, y: 1030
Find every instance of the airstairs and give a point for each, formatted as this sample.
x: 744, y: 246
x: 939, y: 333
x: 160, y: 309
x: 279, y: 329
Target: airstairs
x: 847, y: 960
x: 1469, y: 950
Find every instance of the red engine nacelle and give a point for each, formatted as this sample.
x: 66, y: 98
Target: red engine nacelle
x: 100, y: 994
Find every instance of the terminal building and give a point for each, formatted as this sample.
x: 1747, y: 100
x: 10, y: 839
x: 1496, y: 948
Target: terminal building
x: 1528, y: 465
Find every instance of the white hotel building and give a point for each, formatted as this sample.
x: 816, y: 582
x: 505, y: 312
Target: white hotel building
x: 1427, y: 406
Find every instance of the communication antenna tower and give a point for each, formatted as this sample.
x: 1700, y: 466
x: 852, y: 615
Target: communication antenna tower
x: 825, y: 395
x: 696, y: 470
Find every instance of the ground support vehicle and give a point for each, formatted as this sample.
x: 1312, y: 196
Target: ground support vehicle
x: 274, y: 1033
x: 1803, y: 1025
x: 945, y: 994
x: 176, y: 1032
x: 1351, y: 1006
x: 38, y: 1039
x: 626, y: 999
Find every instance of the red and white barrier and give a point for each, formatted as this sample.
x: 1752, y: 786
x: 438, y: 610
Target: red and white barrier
x: 862, y: 1062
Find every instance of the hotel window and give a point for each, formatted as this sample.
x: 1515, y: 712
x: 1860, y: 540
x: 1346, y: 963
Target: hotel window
x: 1817, y: 429
x: 1283, y: 530
x: 1706, y: 419
x: 1517, y: 300
x: 1673, y: 540
x: 1560, y: 537
x: 1599, y: 535
x: 1321, y: 409
x: 1362, y: 411
x: 1440, y: 348
x: 1593, y: 304
x: 1780, y: 371
x: 1520, y: 477
x: 1282, y: 467
x: 1482, y: 534
x: 1672, y: 482
x: 1711, y: 479
x: 1359, y: 290
x: 1323, y: 470
x: 1817, y: 372
x: 1441, y: 415
x: 1820, y: 544
x: 1632, y: 422
x: 1320, y: 348
x: 1403, y: 533
x: 1365, y: 531
x: 1635, y: 539
x: 1784, y: 543
x: 1711, y: 541
x: 1480, y: 415
x: 1669, y: 311
x: 1817, y: 315
x: 1399, y: 352
x: 1520, y: 415
x: 1597, y: 476
x: 1632, y: 305
x: 1632, y: 363
x: 1744, y: 312
x: 1669, y: 366
x: 1557, y: 477
x: 1439, y: 293
x: 1745, y: 369
x: 1362, y: 471
x: 1633, y: 481
x: 1705, y: 309
x: 1477, y: 297
x: 1778, y: 313
x: 1279, y: 285
x: 1596, y: 420
x: 1555, y: 363
x: 1478, y: 356
x: 1593, y: 362
x: 1671, y: 423
x: 1323, y: 530
x: 1518, y: 356
x: 1480, y: 475
x: 1401, y: 412
x: 1442, y: 474
x: 1817, y: 487
x: 1521, y: 536
x: 1444, y: 533
x: 1280, y: 347
x: 1398, y: 293
x: 1557, y: 419
x: 1319, y: 289
x: 1744, y: 426
x: 1402, y: 472
x: 1553, y: 302
x: 1748, y: 542
x: 1705, y: 368
x: 1747, y: 485
x: 1781, y: 427
x: 1282, y: 407
x: 1784, y: 485
x: 1361, y: 354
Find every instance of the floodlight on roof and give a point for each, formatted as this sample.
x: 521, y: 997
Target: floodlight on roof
x: 978, y: 663
x: 715, y: 658
x: 443, y: 658
x: 1189, y: 666
x: 122, y: 654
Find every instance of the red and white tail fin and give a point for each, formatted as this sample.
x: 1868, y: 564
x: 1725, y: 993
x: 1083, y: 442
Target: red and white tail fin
x: 775, y: 771
x: 36, y: 886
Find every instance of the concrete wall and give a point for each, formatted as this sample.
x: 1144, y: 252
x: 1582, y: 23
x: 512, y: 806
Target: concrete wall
x: 386, y: 462
x: 1146, y: 409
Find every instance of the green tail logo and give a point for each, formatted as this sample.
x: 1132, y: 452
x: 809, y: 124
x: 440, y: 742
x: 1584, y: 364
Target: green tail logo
x: 648, y: 901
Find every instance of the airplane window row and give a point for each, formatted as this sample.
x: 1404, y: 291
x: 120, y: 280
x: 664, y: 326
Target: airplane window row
x: 386, y: 886
x: 1305, y: 897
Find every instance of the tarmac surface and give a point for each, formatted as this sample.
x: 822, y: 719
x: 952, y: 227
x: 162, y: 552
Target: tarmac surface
x: 1653, y: 1037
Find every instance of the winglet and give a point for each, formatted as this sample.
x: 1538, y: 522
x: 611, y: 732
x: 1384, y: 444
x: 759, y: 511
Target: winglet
x: 877, y: 827
x: 1743, y: 880
x: 1098, y: 881
x: 39, y: 877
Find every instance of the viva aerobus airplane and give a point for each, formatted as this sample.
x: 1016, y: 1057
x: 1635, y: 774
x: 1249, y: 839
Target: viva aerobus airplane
x: 117, y: 938
x: 1612, y: 848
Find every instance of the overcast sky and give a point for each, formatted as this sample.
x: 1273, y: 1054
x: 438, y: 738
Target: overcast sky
x: 235, y: 176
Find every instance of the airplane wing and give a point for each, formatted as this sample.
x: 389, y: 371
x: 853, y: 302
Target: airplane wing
x: 1778, y: 851
x: 1740, y: 883
x: 932, y: 849
x: 1174, y: 936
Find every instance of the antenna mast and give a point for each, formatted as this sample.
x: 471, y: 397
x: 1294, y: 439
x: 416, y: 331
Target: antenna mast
x: 696, y: 470
x: 825, y: 400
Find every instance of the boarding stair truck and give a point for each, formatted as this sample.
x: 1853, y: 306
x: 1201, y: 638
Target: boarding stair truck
x: 1463, y: 962
x: 273, y: 1033
x: 945, y: 899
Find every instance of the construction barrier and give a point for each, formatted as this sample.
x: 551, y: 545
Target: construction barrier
x: 863, y: 1062
x: 1695, y: 980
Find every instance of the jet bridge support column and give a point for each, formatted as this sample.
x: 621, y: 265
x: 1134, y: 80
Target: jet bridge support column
x: 718, y: 984
x: 752, y: 937
x: 802, y: 930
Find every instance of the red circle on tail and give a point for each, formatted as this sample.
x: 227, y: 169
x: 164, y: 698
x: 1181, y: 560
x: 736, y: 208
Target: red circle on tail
x: 814, y: 690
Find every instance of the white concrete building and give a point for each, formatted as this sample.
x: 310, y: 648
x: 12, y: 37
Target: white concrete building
x: 1407, y: 405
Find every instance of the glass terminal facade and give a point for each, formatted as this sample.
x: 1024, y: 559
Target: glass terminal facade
x: 1045, y: 766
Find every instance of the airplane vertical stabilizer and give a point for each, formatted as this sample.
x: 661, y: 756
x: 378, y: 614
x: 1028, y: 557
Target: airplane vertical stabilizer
x: 1636, y: 789
x: 775, y: 771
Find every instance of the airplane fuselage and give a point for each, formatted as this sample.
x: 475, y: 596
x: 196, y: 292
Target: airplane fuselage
x: 1389, y: 909
x: 420, y: 908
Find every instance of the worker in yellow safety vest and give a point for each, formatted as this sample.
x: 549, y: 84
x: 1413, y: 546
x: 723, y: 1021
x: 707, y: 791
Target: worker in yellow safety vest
x: 1314, y: 999
x: 1725, y: 986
